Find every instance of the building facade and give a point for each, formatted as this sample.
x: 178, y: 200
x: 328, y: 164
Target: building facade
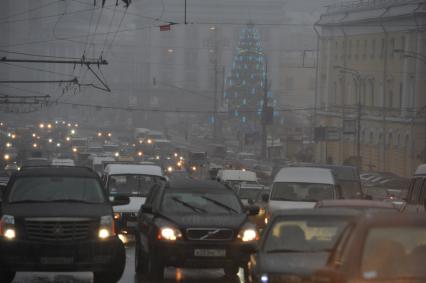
x: 371, y: 84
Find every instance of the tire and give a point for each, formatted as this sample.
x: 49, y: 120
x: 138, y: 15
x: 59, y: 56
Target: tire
x: 114, y: 273
x: 154, y: 268
x: 231, y: 271
x: 7, y: 276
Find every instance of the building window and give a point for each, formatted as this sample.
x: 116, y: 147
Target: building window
x: 407, y: 142
x: 401, y: 92
x: 382, y: 48
x: 398, y: 141
x: 343, y: 50
x: 390, y: 99
x: 336, y: 51
x: 389, y: 140
x: 403, y: 43
x: 371, y: 92
x: 371, y: 137
x: 392, y: 48
x: 373, y: 49
x: 356, y: 50
x: 364, y: 53
x: 349, y: 49
x: 289, y: 83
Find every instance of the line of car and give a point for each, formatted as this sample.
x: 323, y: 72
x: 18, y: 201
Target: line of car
x: 56, y: 218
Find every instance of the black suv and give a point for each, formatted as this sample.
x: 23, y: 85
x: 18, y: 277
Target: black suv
x: 198, y: 224
x: 59, y: 219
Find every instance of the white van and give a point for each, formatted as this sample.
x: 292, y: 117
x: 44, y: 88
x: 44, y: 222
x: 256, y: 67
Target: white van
x: 416, y: 197
x: 135, y: 181
x: 302, y: 187
x: 235, y: 177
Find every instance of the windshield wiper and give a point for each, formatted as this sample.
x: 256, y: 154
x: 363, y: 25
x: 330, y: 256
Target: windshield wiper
x: 28, y: 201
x: 194, y: 208
x: 286, y: 251
x: 218, y: 203
x: 71, y: 200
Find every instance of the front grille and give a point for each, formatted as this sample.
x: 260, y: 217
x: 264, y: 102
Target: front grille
x: 57, y: 229
x: 209, y: 234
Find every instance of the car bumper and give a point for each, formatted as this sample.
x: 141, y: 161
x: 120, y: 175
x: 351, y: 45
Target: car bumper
x: 68, y: 256
x: 186, y: 254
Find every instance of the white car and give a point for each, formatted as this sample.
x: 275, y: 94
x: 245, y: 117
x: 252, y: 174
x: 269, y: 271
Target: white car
x: 135, y: 181
x: 302, y: 187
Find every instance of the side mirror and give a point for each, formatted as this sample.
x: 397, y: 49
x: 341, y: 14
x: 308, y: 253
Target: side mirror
x: 265, y: 197
x: 252, y: 210
x: 328, y: 275
x: 146, y: 208
x: 120, y: 200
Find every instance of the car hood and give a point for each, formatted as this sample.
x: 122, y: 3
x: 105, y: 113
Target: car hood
x: 303, y: 264
x: 133, y: 206
x: 208, y: 221
x: 57, y: 210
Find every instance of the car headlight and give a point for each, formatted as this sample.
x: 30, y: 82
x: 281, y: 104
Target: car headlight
x: 248, y: 235
x: 169, y: 234
x: 117, y: 215
x: 264, y: 278
x: 7, y: 227
x: 106, y: 227
x: 170, y: 169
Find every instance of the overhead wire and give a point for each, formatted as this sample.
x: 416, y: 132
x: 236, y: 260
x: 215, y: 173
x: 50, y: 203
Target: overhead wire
x: 31, y: 10
x: 36, y: 69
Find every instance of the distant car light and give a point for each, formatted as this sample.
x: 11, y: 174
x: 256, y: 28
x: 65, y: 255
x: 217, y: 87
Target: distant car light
x: 35, y: 145
x: 140, y: 153
x: 58, y: 145
x: 72, y: 132
x: 50, y: 140
x: 6, y: 156
x: 170, y: 169
x: 117, y: 154
x: 264, y: 278
x: 74, y: 149
x: 99, y: 134
x: 149, y: 141
x: 117, y: 215
x: 194, y: 168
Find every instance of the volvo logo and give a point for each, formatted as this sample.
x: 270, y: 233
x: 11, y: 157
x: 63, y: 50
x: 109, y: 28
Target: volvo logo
x: 210, y: 233
x: 58, y: 230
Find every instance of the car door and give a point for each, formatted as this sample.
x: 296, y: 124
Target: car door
x: 413, y: 200
x: 146, y: 220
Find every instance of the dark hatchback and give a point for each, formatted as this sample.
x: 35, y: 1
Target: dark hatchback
x: 194, y: 224
x: 296, y: 243
x: 59, y: 219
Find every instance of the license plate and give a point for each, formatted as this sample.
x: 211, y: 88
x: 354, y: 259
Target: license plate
x: 56, y: 260
x: 209, y: 253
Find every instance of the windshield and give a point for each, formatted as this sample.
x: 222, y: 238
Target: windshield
x: 132, y: 185
x: 56, y: 188
x: 246, y: 193
x: 304, y: 234
x: 302, y: 192
x: 200, y: 202
x: 395, y: 252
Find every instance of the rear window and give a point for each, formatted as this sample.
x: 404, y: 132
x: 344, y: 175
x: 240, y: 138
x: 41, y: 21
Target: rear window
x: 27, y: 189
x: 302, y: 192
x: 392, y: 253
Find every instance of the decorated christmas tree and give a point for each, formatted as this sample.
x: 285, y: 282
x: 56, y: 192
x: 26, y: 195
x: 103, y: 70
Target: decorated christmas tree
x: 245, y: 86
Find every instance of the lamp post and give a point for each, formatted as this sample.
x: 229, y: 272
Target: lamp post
x: 422, y: 58
x: 358, y: 78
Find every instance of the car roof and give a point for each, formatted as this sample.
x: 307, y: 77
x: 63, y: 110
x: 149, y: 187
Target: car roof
x: 237, y: 175
x: 62, y: 171
x: 380, y: 218
x: 145, y: 169
x: 356, y: 203
x: 314, y: 212
x: 189, y: 185
x: 421, y: 170
x: 305, y: 175
x: 342, y: 172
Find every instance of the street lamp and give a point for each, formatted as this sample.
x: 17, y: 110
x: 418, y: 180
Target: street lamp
x: 358, y: 78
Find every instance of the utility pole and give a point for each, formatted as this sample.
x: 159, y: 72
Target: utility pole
x: 358, y: 127
x: 215, y: 102
x: 265, y: 106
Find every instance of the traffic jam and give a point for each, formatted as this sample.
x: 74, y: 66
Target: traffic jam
x: 212, y: 141
x: 143, y: 208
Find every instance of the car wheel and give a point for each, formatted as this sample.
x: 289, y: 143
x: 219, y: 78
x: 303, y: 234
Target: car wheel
x: 231, y: 271
x: 154, y: 268
x: 114, y: 273
x: 7, y: 276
